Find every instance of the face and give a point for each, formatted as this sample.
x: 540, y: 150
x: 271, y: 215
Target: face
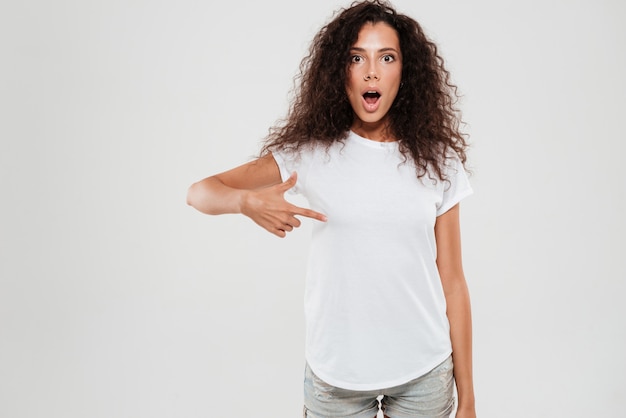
x: 374, y: 76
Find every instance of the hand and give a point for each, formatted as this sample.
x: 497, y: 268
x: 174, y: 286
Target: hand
x: 465, y: 413
x: 269, y: 209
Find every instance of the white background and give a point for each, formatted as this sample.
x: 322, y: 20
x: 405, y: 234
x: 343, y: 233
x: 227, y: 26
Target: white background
x: 118, y: 300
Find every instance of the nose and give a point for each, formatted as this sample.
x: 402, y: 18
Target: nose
x: 371, y: 71
x: 371, y: 74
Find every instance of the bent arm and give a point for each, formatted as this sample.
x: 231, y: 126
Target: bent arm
x: 255, y: 190
x: 225, y: 192
x: 449, y: 263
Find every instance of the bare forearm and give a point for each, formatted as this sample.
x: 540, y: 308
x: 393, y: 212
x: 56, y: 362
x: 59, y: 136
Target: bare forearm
x: 213, y: 197
x: 459, y: 315
x: 262, y: 201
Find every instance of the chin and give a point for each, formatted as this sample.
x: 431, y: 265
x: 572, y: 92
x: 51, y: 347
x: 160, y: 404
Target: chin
x: 371, y: 118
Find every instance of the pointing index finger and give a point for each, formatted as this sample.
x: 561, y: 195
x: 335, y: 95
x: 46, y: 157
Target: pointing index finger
x: 309, y: 213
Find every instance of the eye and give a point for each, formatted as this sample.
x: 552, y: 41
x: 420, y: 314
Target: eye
x: 356, y: 59
x: 388, y: 58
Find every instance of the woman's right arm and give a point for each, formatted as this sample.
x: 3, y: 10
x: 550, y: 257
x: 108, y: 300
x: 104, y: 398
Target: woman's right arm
x: 255, y: 190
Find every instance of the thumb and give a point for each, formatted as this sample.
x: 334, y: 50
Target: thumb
x: 290, y: 182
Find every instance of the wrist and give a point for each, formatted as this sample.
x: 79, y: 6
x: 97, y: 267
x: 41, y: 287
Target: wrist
x: 466, y: 404
x: 242, y: 201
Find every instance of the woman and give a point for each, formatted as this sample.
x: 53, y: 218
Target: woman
x: 372, y: 141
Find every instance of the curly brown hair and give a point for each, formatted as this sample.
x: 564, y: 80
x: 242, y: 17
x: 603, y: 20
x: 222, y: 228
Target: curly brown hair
x: 423, y: 117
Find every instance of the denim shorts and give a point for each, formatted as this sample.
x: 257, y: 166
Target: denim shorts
x: 431, y: 395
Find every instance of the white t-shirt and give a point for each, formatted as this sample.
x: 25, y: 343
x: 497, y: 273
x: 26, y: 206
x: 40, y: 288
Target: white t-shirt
x: 375, y: 312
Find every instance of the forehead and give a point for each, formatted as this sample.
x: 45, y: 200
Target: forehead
x: 377, y: 34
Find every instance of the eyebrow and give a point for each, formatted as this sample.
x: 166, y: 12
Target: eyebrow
x: 387, y: 49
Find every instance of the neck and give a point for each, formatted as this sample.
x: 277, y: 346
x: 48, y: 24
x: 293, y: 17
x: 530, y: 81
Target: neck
x: 372, y: 131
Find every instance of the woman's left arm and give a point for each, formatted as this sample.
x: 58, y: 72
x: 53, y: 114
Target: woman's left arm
x: 450, y: 265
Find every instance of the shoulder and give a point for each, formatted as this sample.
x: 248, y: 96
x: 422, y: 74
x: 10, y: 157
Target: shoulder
x: 308, y: 150
x: 447, y: 166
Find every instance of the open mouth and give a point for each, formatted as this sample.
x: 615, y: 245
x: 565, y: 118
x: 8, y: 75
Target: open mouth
x: 371, y: 97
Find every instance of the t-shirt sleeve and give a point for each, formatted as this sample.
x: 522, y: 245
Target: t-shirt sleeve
x: 456, y: 187
x: 282, y: 165
x: 289, y: 162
